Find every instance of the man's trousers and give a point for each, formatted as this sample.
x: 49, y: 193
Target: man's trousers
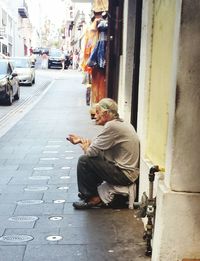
x: 92, y: 171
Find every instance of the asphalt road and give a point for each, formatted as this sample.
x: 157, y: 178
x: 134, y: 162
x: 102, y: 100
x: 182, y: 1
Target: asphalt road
x: 29, y: 96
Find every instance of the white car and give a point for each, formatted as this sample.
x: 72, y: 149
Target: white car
x: 24, y: 69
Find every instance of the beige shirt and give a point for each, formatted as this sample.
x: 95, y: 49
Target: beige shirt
x: 118, y: 143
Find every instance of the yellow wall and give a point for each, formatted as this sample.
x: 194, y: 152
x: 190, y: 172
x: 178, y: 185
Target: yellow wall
x: 160, y: 80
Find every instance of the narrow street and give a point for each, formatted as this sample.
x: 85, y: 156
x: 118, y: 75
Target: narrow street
x: 9, y: 115
x: 38, y: 181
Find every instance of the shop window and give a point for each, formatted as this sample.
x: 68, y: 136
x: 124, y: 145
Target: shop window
x: 4, y: 49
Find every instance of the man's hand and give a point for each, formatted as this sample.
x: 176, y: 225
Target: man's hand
x: 74, y: 139
x: 85, y: 143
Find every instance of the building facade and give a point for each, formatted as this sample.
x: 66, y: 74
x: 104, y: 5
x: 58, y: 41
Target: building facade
x: 18, y: 30
x: 158, y: 58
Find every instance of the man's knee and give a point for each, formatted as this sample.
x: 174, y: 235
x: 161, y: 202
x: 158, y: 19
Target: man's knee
x: 83, y: 159
x: 83, y: 167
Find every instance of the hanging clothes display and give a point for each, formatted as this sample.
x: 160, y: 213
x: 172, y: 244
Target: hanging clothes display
x: 98, y: 55
x: 90, y: 40
x: 97, y: 61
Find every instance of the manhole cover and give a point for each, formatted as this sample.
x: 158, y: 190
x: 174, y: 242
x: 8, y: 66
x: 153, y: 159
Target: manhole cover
x: 63, y: 188
x: 69, y: 158
x: 66, y: 168
x: 36, y: 188
x: 65, y: 177
x: 39, y: 177
x: 23, y: 218
x: 30, y: 202
x: 56, y: 218
x: 53, y: 238
x: 16, y: 238
x: 58, y: 201
x: 49, y: 158
x: 43, y: 168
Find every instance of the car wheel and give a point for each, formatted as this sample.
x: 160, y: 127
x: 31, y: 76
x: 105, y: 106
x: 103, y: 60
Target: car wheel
x: 9, y: 98
x: 33, y: 82
x: 17, y: 95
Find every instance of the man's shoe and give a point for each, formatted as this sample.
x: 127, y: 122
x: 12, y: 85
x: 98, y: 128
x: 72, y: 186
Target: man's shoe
x: 87, y: 205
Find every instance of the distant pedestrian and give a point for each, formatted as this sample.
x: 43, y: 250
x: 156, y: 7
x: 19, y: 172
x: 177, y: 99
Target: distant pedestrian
x: 75, y: 59
x: 44, y: 64
x: 33, y: 58
x: 63, y: 60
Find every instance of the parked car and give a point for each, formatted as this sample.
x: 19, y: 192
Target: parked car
x: 25, y: 69
x: 40, y: 50
x: 55, y: 58
x: 9, y: 85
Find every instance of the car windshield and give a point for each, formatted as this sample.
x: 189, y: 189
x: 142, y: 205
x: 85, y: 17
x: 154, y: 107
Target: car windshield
x: 56, y: 53
x: 20, y: 63
x: 3, y: 67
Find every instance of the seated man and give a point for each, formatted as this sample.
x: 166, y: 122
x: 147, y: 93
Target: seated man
x: 113, y: 156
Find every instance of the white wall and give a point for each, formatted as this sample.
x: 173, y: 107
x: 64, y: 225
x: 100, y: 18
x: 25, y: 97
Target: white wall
x: 177, y: 224
x: 126, y: 62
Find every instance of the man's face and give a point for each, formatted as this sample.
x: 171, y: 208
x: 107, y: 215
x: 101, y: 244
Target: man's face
x: 101, y: 117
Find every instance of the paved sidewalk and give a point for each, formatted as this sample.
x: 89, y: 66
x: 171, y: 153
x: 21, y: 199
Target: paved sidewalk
x: 38, y: 186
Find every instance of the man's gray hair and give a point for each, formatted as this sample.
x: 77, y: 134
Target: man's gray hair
x: 107, y: 104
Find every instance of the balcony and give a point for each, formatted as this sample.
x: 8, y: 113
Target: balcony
x: 23, y: 12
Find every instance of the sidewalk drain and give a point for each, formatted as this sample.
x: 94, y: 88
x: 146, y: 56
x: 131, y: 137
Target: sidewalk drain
x: 65, y: 177
x: 53, y: 238
x: 16, y: 238
x: 43, y: 168
x: 69, y: 158
x: 30, y: 202
x: 23, y: 218
x: 49, y: 158
x: 66, y: 167
x: 55, y: 218
x: 52, y: 146
x: 39, y: 177
x: 50, y: 151
x: 58, y: 201
x: 35, y: 188
x: 59, y: 141
x: 62, y: 188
